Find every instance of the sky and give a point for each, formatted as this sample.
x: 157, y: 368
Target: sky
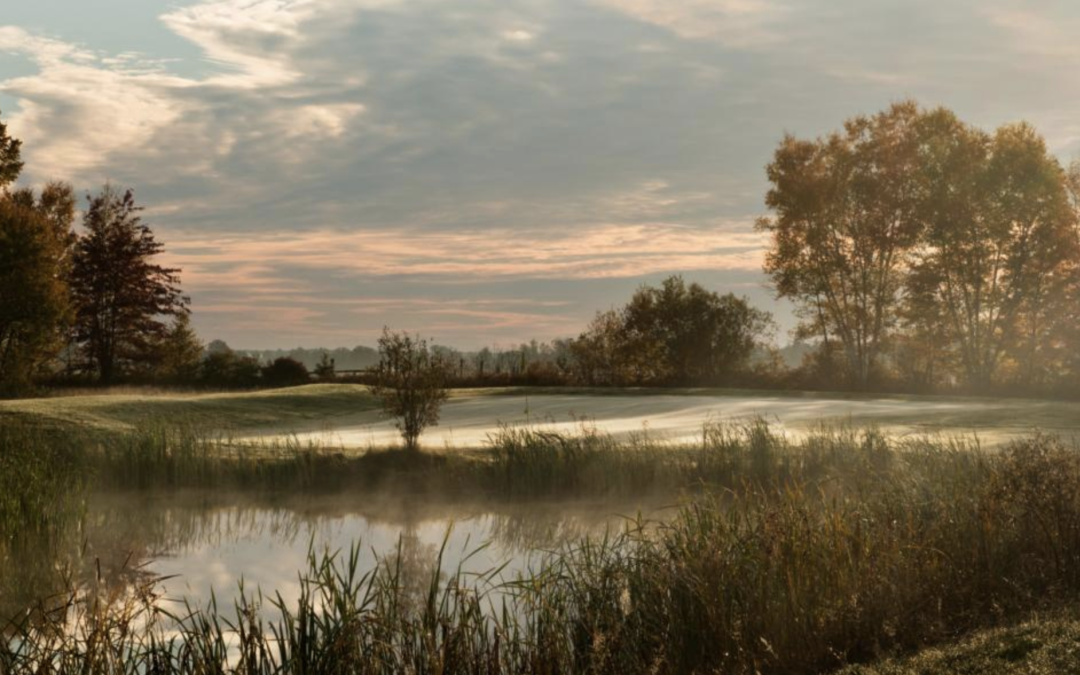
x: 485, y: 172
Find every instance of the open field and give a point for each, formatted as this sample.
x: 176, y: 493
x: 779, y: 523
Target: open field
x: 347, y: 416
x: 679, y: 417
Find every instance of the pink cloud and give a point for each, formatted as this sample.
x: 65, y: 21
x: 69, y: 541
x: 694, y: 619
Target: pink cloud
x: 250, y: 262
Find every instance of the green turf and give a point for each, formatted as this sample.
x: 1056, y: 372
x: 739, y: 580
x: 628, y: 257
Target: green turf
x: 236, y: 410
x: 330, y: 406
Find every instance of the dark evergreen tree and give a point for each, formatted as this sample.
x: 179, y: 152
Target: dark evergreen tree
x: 123, y: 298
x: 179, y: 353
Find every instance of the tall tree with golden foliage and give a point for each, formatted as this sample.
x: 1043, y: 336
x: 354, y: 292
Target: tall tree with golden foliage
x: 34, y: 305
x: 35, y: 242
x: 847, y: 216
x: 999, y: 245
x: 911, y: 235
x: 10, y: 158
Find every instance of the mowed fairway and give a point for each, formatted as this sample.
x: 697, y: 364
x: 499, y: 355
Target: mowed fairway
x: 347, y: 416
x: 468, y: 419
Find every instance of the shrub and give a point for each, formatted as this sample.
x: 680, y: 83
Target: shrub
x: 285, y: 371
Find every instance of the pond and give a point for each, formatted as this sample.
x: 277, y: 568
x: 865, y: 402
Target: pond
x: 198, y: 545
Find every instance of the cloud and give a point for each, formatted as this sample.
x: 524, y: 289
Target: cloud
x: 737, y: 23
x: 342, y: 286
x: 460, y: 256
x: 1037, y: 31
x: 253, y: 39
x: 316, y: 153
x: 80, y: 108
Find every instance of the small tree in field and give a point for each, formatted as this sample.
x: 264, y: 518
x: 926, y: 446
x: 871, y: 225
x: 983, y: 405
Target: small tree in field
x: 411, y: 382
x: 324, y: 369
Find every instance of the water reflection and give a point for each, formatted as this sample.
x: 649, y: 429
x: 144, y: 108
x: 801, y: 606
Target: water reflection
x: 203, y: 543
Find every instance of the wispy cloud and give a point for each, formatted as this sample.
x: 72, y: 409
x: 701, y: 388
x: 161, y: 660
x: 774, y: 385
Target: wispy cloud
x: 81, y: 108
x: 324, y: 166
x: 252, y: 39
x: 606, y: 251
x: 1034, y: 30
x: 737, y: 23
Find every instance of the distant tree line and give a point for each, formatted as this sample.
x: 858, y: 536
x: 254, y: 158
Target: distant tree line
x: 923, y: 252
x: 357, y: 358
x: 673, y: 334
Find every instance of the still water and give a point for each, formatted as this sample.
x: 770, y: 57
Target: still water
x: 197, y: 545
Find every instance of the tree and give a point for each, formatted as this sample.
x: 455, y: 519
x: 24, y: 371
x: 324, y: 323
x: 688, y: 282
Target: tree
x: 122, y: 296
x: 597, y: 351
x: 56, y: 203
x: 684, y: 334
x: 671, y: 334
x: 179, y: 352
x: 34, y: 302
x: 225, y: 368
x: 218, y: 347
x: 924, y: 354
x: 999, y: 246
x: 285, y: 371
x: 411, y: 382
x: 10, y: 161
x: 847, y: 215
x: 324, y: 369
x: 35, y: 240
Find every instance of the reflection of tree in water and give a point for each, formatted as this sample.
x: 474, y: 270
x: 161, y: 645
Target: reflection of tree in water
x: 412, y: 568
x: 41, y: 571
x: 107, y: 550
x: 169, y: 527
x: 526, y: 531
x: 119, y: 523
x: 30, y: 570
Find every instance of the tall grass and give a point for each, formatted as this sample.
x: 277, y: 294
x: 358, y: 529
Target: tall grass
x: 42, y: 497
x: 817, y: 554
x: 41, y: 477
x: 526, y: 462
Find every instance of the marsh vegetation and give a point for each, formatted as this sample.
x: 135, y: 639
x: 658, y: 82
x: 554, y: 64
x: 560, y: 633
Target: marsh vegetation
x: 778, y: 553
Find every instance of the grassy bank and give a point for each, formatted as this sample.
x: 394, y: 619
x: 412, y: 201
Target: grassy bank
x: 788, y: 557
x: 1047, y: 644
x: 111, y: 412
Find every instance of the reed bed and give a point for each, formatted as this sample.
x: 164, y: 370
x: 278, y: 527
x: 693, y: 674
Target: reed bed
x: 796, y: 557
x: 517, y: 463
